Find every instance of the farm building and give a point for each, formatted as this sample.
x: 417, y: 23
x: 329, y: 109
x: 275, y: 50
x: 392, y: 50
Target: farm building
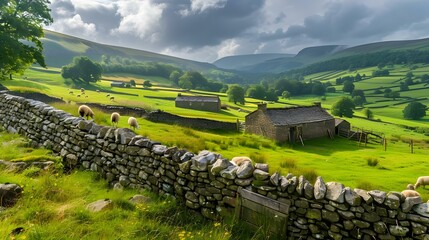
x: 341, y: 125
x: 117, y: 84
x: 290, y: 124
x: 204, y: 103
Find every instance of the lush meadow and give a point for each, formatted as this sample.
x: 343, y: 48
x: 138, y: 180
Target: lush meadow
x: 368, y: 167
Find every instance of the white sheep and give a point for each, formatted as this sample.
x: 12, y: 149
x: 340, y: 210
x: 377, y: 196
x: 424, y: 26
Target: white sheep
x: 85, y: 111
x: 410, y: 186
x: 114, y: 118
x: 422, y: 181
x: 133, y: 123
x: 98, y: 91
x: 82, y: 90
x: 71, y: 92
x: 240, y: 160
x: 108, y: 95
x: 410, y: 193
x: 112, y: 98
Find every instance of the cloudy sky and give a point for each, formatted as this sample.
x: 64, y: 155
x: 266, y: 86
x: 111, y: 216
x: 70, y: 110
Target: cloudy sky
x: 206, y: 30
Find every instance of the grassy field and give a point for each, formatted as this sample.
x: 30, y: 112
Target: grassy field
x: 53, y: 206
x: 336, y: 160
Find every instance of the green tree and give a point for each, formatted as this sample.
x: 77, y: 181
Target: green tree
x: 404, y: 87
x: 358, y: 101
x: 257, y: 91
x: 133, y: 82
x: 348, y: 86
x: 286, y: 95
x: 343, y: 107
x: 21, y: 27
x: 185, y: 83
x: 236, y: 94
x: 82, y: 69
x: 368, y: 113
x: 414, y: 110
x: 424, y: 77
x: 147, y: 84
x: 174, y: 76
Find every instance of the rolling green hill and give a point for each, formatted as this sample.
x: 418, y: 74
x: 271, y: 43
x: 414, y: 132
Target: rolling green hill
x: 242, y: 62
x: 59, y: 49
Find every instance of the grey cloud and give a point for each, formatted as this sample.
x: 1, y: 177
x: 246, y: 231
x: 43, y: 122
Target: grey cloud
x: 209, y: 27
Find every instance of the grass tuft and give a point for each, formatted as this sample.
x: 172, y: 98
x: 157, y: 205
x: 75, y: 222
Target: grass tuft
x: 372, y: 162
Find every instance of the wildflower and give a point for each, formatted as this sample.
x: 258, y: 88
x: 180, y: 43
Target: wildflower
x: 217, y: 224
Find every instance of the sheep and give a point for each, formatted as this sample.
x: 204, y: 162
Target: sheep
x: 82, y: 90
x: 78, y: 95
x: 85, y: 111
x: 71, y: 92
x: 240, y: 160
x: 98, y: 91
x: 114, y: 118
x: 133, y: 123
x: 108, y: 95
x: 410, y: 193
x: 86, y: 96
x: 112, y: 99
x: 422, y: 181
x: 410, y: 187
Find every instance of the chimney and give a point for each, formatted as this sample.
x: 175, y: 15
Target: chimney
x: 262, y: 106
x: 317, y: 104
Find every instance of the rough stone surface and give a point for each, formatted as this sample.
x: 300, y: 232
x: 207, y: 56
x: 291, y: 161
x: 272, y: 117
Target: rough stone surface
x: 9, y: 194
x: 335, y: 192
x: 319, y: 188
x: 100, y: 205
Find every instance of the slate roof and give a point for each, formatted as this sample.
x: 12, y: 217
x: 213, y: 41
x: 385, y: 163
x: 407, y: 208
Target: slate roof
x: 197, y: 99
x: 338, y: 121
x: 297, y: 115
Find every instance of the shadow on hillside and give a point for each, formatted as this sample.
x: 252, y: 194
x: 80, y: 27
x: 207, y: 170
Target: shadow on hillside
x: 327, y: 147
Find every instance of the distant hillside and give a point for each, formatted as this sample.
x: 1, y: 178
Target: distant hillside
x: 240, y: 62
x: 303, y: 58
x: 59, y: 49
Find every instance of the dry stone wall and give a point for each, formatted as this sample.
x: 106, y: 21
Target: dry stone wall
x: 209, y: 183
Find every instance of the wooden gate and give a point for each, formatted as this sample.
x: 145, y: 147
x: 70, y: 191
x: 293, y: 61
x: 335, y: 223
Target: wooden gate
x: 263, y: 213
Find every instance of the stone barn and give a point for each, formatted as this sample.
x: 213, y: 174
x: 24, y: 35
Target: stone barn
x: 290, y: 124
x: 203, y: 103
x: 341, y: 125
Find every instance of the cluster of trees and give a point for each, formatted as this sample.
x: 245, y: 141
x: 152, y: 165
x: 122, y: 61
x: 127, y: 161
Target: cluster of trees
x: 83, y: 70
x: 195, y: 80
x: 365, y: 60
x: 296, y: 88
x: 116, y: 64
x: 414, y: 110
x: 21, y: 27
x: 380, y: 73
x: 355, y: 78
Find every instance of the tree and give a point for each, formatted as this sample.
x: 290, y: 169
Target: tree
x: 343, y: 107
x: 286, y: 95
x: 348, y: 86
x: 185, y: 83
x: 393, y: 95
x: 21, y: 27
x: 257, y: 91
x: 360, y: 93
x: 147, y: 84
x: 368, y: 113
x: 358, y: 101
x: 133, y: 82
x: 82, y: 69
x: 174, y: 76
x: 414, y: 110
x: 424, y: 77
x: 236, y: 94
x: 404, y: 87
x: 318, y: 89
x: 358, y: 77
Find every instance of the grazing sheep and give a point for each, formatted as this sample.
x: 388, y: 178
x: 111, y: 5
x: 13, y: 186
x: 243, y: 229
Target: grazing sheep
x: 86, y: 96
x: 410, y: 193
x: 98, y: 91
x: 71, y: 92
x: 85, y: 111
x: 112, y: 98
x: 114, y: 118
x: 133, y: 123
x: 82, y: 90
x: 108, y: 95
x: 410, y: 186
x: 78, y: 95
x: 422, y: 181
x: 240, y: 160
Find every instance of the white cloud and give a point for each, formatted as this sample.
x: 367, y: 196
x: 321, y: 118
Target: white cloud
x: 228, y: 48
x: 139, y: 18
x: 75, y: 26
x: 198, y: 6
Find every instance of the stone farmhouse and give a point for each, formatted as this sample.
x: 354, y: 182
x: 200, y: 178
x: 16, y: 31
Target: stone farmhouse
x: 203, y: 103
x: 291, y: 124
